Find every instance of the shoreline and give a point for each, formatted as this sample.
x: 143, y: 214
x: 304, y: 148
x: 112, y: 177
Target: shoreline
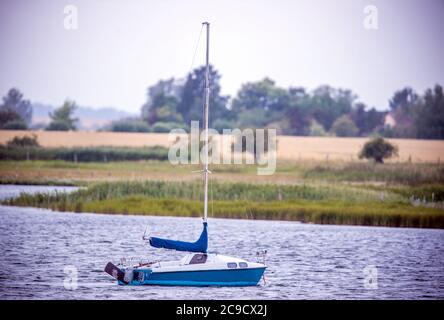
x: 225, y: 218
x: 297, y: 211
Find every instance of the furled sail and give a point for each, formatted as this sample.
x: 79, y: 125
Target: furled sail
x: 201, y: 245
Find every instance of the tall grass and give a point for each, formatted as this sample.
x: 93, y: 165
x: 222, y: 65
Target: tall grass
x: 322, y: 212
x: 217, y: 191
x: 286, y: 171
x: 90, y: 154
x: 307, y: 203
x: 40, y: 182
x: 401, y: 173
x: 319, y: 192
x: 425, y: 192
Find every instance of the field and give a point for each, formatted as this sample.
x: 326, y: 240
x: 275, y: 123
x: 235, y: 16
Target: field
x: 397, y: 195
x: 289, y: 148
x: 310, y: 188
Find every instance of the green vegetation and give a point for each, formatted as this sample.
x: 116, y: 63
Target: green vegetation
x: 344, y: 127
x: 417, y: 116
x: 62, y: 118
x: 15, y: 112
x: 323, y: 212
x: 391, y: 173
x: 315, y: 203
x: 128, y: 125
x: 23, y: 142
x: 91, y: 154
x: 42, y: 182
x: 228, y: 191
x: 165, y: 127
x: 355, y: 173
x: 364, y: 193
x: 378, y: 149
x: 28, y: 148
x: 326, y: 110
x: 293, y: 111
x: 428, y: 192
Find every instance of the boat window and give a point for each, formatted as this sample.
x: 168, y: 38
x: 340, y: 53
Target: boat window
x: 243, y: 265
x: 232, y: 265
x: 198, y: 258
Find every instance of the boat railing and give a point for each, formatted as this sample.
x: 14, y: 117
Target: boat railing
x: 135, y: 262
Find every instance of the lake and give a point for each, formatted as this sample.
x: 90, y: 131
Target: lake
x: 39, y: 249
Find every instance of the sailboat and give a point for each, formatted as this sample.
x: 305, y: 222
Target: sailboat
x: 198, y: 267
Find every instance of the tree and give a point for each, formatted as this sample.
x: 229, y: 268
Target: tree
x: 129, y: 125
x: 428, y: 116
x: 378, y: 149
x: 18, y: 124
x: 317, y: 130
x: 403, y: 105
x: 367, y: 121
x: 260, y: 103
x: 15, y: 108
x: 328, y: 104
x: 164, y: 127
x: 299, y: 112
x: 344, y: 127
x: 162, y: 101
x: 62, y: 118
x: 221, y: 124
x: 418, y: 116
x: 403, y: 99
x: 11, y: 120
x: 190, y: 105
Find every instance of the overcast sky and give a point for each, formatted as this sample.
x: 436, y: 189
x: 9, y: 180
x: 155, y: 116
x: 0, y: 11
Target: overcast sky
x: 122, y: 47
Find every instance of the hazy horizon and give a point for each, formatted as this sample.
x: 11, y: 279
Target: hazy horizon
x: 120, y: 48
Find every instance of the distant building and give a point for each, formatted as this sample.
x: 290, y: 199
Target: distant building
x: 389, y: 120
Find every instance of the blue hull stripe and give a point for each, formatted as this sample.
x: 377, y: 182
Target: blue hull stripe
x: 228, y: 277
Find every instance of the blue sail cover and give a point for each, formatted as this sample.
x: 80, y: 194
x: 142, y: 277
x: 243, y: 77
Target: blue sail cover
x: 201, y: 245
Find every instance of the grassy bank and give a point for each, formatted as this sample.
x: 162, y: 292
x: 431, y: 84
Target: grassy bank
x: 287, y: 172
x: 313, y: 203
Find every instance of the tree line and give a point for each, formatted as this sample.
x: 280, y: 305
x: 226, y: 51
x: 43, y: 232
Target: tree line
x: 16, y: 114
x: 324, y: 111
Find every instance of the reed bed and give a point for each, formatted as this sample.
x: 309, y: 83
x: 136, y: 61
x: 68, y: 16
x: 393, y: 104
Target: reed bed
x: 322, y: 212
x: 400, y: 173
x: 217, y: 191
x: 84, y: 154
x: 310, y: 203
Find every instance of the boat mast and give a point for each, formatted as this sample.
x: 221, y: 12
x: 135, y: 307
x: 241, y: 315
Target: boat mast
x: 205, y: 119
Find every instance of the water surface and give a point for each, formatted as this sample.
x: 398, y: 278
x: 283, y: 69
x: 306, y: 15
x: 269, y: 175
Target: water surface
x: 304, y: 261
